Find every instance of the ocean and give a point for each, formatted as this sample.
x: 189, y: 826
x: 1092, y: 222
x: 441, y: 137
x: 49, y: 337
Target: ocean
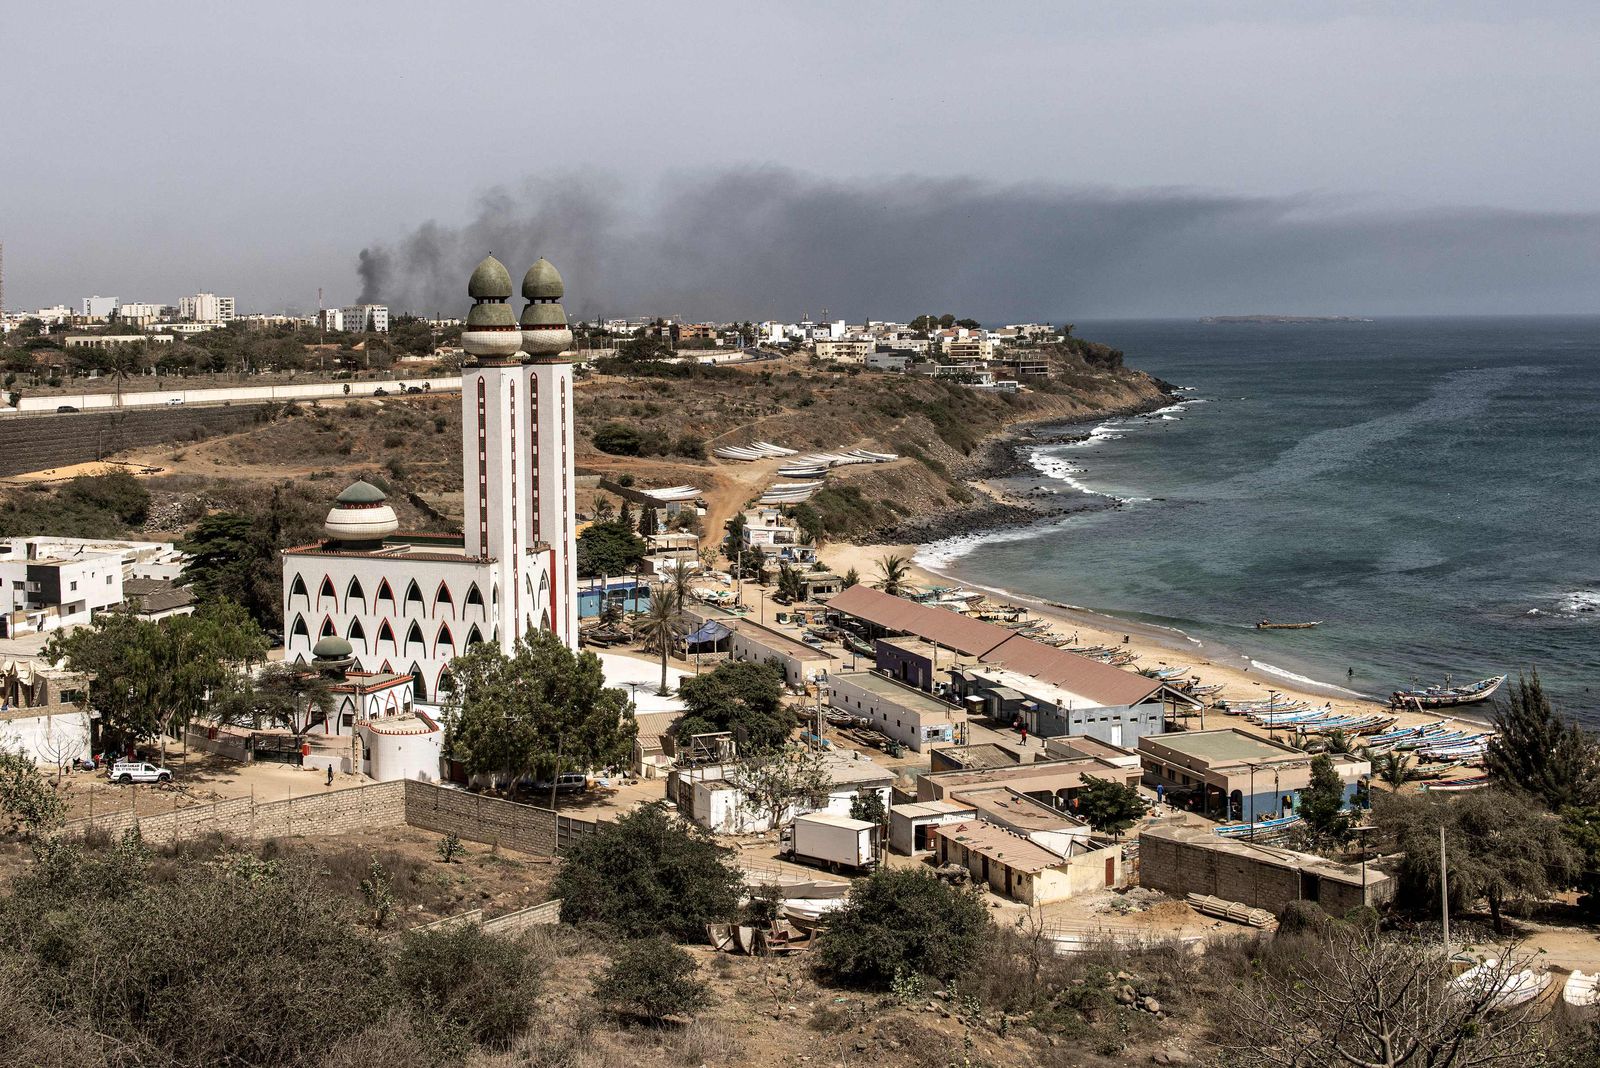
x: 1427, y: 488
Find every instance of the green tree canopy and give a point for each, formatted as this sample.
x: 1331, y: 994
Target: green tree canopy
x: 1322, y: 802
x: 648, y: 873
x: 1108, y: 806
x: 901, y: 922
x: 1501, y: 847
x: 510, y: 715
x: 609, y: 547
x: 652, y: 979
x: 147, y: 677
x: 1539, y: 751
x: 740, y: 696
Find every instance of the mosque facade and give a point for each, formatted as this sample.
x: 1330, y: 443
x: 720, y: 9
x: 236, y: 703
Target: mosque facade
x: 409, y: 603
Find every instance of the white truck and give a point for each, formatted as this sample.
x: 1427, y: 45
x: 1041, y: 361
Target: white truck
x: 833, y: 842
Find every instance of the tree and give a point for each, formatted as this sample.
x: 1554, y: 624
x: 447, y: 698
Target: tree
x: 234, y: 555
x: 280, y: 695
x: 470, y: 983
x: 1393, y: 768
x: 780, y: 783
x: 852, y: 577
x: 867, y: 806
x: 609, y: 548
x: 1539, y: 751
x: 790, y: 583
x: 652, y: 979
x: 149, y: 678
x: 31, y: 803
x: 648, y: 872
x: 743, y: 697
x: 661, y: 625
x: 1108, y: 806
x: 1355, y: 999
x: 893, y: 572
x: 680, y: 578
x: 1502, y: 848
x: 1322, y: 804
x: 539, y: 710
x: 902, y: 922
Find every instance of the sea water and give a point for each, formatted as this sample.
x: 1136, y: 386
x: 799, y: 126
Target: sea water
x: 1429, y: 489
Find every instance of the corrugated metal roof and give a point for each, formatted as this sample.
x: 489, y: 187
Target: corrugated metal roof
x: 940, y: 625
x: 1101, y: 683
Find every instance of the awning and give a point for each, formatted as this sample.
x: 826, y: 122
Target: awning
x: 710, y: 631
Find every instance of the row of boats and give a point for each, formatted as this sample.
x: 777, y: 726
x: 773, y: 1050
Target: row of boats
x: 1509, y: 989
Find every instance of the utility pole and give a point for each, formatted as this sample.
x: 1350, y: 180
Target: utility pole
x: 1444, y: 889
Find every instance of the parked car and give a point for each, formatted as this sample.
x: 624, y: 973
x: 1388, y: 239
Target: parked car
x: 413, y: 389
x: 380, y: 392
x: 174, y: 401
x: 570, y: 782
x: 65, y: 408
x: 127, y: 771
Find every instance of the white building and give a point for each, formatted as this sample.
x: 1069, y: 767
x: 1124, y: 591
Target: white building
x: 206, y: 308
x: 57, y: 582
x: 409, y: 603
x: 846, y: 349
x: 717, y: 803
x: 140, y: 312
x: 99, y: 307
x: 359, y: 318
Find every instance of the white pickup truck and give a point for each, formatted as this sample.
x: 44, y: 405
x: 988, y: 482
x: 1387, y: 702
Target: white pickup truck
x: 126, y: 771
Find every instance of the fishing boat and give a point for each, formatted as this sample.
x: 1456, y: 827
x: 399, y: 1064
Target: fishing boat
x: 1267, y: 624
x: 1580, y: 989
x: 1244, y: 830
x: 1447, y: 696
x: 1204, y: 691
x: 1509, y: 990
x: 1466, y: 782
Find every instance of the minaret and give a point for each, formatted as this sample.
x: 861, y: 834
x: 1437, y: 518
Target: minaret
x: 496, y: 416
x: 546, y: 340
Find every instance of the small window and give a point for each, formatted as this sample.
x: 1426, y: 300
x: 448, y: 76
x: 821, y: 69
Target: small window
x: 108, y: 580
x: 72, y: 586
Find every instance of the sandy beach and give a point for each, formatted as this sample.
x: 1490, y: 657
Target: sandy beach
x: 1241, y: 679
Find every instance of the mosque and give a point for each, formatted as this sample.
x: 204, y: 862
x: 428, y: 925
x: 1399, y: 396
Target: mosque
x: 379, y: 605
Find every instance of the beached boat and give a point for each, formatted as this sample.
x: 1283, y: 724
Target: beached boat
x: 1447, y: 696
x: 1509, y: 990
x: 1243, y: 830
x: 1468, y: 782
x: 1580, y: 989
x: 1267, y: 624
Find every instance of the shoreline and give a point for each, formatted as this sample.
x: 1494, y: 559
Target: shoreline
x: 1242, y: 676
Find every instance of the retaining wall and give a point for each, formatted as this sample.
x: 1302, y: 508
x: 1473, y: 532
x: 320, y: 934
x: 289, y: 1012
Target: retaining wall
x: 40, y: 442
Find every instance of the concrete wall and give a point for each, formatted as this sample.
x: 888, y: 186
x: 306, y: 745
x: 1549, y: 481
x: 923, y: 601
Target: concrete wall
x: 1209, y: 866
x: 39, y: 442
x: 162, y: 398
x: 50, y: 738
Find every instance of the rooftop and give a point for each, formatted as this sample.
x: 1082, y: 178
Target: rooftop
x: 1003, y: 805
x: 1038, y: 777
x: 1204, y: 837
x: 1228, y: 745
x: 898, y: 692
x: 980, y: 756
x: 1001, y: 846
x: 918, y: 809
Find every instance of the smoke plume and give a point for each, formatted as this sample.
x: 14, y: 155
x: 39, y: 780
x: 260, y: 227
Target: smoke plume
x: 769, y: 243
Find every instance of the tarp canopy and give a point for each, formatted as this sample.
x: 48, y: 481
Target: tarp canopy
x: 710, y: 631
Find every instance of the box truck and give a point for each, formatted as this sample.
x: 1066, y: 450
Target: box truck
x: 832, y: 842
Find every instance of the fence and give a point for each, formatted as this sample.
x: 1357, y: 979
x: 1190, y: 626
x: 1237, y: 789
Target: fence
x: 473, y: 817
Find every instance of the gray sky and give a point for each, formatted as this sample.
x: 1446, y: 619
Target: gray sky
x: 1001, y: 160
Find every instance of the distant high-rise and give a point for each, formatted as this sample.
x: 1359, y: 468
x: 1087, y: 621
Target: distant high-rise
x: 99, y: 307
x: 363, y: 317
x: 206, y: 308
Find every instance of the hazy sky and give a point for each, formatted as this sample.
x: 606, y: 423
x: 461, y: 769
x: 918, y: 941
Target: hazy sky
x: 1001, y: 160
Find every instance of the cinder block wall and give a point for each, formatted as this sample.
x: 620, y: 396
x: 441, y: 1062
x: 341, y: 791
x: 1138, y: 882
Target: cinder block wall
x: 476, y: 818
x: 40, y: 442
x: 1187, y: 868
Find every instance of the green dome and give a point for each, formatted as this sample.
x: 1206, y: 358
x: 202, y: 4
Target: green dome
x: 491, y: 315
x: 543, y: 315
x: 490, y: 281
x: 331, y: 648
x: 543, y: 282
x: 362, y: 493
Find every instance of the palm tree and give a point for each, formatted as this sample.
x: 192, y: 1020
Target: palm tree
x: 852, y: 577
x: 1337, y: 743
x: 678, y: 579
x: 893, y: 570
x: 661, y: 625
x: 1392, y: 768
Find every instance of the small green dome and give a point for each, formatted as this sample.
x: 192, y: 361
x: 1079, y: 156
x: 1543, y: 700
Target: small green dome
x: 543, y: 282
x: 543, y: 315
x: 491, y: 315
x: 362, y: 493
x: 331, y: 648
x: 490, y: 281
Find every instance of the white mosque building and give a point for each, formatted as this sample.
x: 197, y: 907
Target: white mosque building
x: 406, y: 604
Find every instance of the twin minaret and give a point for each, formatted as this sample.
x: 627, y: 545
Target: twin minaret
x: 516, y: 408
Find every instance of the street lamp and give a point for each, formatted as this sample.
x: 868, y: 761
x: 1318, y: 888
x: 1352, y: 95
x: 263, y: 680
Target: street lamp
x: 1252, y: 768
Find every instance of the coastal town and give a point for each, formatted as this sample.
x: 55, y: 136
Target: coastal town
x: 634, y: 696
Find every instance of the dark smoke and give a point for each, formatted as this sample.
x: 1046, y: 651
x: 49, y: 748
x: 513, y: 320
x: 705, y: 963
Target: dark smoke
x: 776, y: 244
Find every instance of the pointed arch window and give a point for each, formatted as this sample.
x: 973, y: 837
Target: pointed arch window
x: 354, y: 592
x: 544, y: 619
x: 385, y: 634
x: 357, y: 632
x: 385, y: 593
x: 326, y: 589
x: 443, y: 596
x: 419, y: 686
x: 299, y: 629
x: 297, y: 588
x: 444, y: 640
x: 328, y: 629
x: 415, y: 635
x: 474, y: 597
x: 446, y: 684
x: 414, y: 596
x: 474, y: 636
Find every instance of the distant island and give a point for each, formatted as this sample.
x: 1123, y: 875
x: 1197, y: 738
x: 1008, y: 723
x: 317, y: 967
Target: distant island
x: 1284, y: 319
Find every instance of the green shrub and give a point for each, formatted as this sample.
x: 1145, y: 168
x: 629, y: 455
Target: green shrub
x: 652, y: 979
x: 619, y: 439
x: 899, y: 923
x: 472, y: 985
